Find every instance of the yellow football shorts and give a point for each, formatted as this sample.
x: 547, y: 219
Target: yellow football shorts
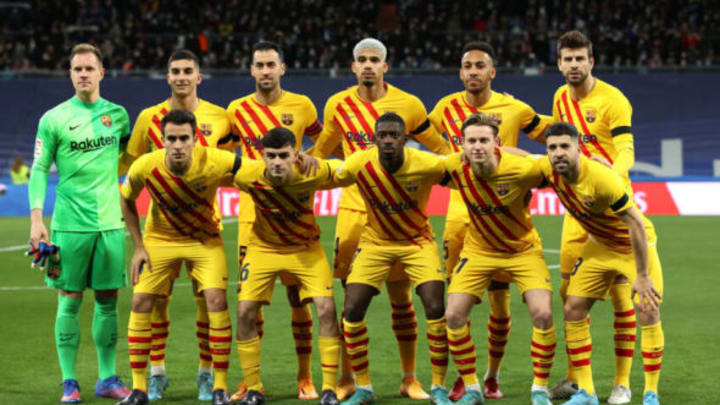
x: 244, y: 231
x: 597, y: 266
x: 572, y: 240
x: 475, y: 271
x: 372, y: 264
x: 349, y: 227
x: 205, y: 262
x: 261, y: 267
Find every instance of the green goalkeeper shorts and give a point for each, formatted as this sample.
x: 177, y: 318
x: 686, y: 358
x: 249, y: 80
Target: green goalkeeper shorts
x: 93, y: 260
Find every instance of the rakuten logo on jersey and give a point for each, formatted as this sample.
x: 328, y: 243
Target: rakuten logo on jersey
x: 89, y: 145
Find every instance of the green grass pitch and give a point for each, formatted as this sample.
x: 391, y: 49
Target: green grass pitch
x: 688, y: 248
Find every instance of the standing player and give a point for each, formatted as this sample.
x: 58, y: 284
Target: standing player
x: 251, y: 117
x: 477, y: 70
x: 181, y: 226
x: 502, y: 240
x: 213, y: 130
x: 350, y: 117
x: 621, y: 241
x: 84, y: 137
x: 284, y: 238
x: 602, y: 116
x: 395, y: 184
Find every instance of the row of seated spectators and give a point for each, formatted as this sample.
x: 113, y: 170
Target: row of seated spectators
x: 321, y: 33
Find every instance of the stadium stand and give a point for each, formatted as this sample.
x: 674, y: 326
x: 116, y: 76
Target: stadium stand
x: 317, y: 33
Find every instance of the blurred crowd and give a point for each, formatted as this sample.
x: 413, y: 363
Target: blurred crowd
x: 140, y: 34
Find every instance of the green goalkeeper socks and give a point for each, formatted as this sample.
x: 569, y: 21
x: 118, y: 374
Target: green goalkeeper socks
x: 67, y: 334
x: 104, y: 329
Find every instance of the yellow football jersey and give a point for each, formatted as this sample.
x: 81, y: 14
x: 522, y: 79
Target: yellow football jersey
x: 512, y: 115
x: 213, y: 129
x: 250, y: 120
x: 182, y: 207
x: 284, y: 218
x: 499, y: 215
x: 594, y: 200
x: 350, y: 120
x: 396, y: 203
x: 603, y: 118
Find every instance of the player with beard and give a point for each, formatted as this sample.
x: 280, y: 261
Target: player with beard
x: 350, y: 118
x: 477, y: 70
x: 620, y: 242
x: 602, y: 116
x: 252, y: 116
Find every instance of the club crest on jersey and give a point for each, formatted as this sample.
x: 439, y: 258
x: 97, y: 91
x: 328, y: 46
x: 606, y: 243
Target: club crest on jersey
x: 590, y: 115
x: 503, y: 189
x: 200, y: 187
x: 303, y: 197
x: 411, y: 186
x: 205, y: 129
x: 588, y: 201
x: 287, y: 119
x: 497, y: 117
x: 106, y: 120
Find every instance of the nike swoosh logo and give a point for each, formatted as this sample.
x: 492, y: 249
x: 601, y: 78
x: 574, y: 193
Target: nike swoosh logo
x: 73, y: 127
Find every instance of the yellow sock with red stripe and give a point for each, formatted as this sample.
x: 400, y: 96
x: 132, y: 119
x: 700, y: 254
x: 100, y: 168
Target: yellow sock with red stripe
x: 302, y: 324
x: 356, y: 344
x: 542, y: 352
x: 260, y: 323
x: 220, y: 341
x: 404, y: 324
x: 625, y: 326
x: 463, y: 352
x: 139, y: 341
x: 202, y: 327
x: 160, y: 324
x: 438, y: 345
x: 498, y: 327
x: 249, y: 356
x: 345, y: 367
x: 653, y: 347
x: 329, y: 347
x: 579, y: 347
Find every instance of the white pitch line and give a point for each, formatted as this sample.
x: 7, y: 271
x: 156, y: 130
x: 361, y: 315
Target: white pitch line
x: 26, y: 246
x: 14, y: 248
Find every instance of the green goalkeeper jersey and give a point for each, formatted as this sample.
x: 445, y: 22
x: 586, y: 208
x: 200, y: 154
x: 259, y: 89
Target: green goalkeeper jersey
x: 85, y: 141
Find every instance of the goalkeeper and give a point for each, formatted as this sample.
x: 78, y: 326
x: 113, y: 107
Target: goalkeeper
x: 83, y: 136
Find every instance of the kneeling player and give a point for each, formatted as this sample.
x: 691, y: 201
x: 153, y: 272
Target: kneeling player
x: 502, y: 241
x: 284, y: 239
x: 182, y: 181
x: 618, y: 245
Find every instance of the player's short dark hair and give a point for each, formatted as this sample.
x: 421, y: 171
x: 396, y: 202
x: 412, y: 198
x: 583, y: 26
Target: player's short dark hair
x: 278, y: 137
x: 479, y: 46
x: 390, y: 117
x: 183, y: 54
x: 86, y: 48
x: 179, y: 117
x: 480, y: 120
x: 269, y: 46
x: 574, y: 40
x: 560, y: 129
